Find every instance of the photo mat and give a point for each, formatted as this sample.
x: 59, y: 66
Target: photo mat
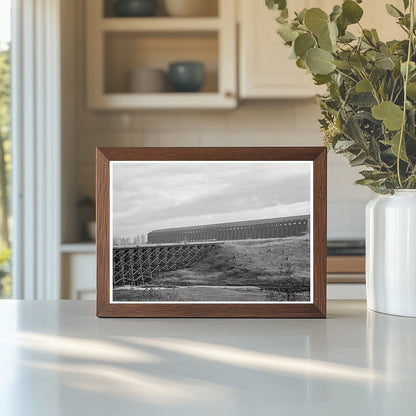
x: 211, y: 232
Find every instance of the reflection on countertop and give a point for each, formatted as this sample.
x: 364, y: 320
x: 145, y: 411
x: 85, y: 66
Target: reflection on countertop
x: 355, y: 362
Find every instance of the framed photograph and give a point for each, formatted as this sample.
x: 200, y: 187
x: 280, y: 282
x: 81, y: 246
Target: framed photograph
x: 211, y: 232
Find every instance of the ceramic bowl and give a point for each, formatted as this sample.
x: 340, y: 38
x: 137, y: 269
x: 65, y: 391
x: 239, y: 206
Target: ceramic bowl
x: 186, y: 76
x: 147, y: 80
x: 135, y: 8
x: 191, y: 8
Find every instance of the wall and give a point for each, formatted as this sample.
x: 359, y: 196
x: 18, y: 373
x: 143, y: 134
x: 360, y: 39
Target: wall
x: 254, y: 123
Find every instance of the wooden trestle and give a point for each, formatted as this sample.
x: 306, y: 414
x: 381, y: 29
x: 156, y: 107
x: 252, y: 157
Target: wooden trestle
x: 135, y: 266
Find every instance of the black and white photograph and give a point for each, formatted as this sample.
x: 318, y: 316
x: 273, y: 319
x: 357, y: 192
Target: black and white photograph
x: 211, y: 231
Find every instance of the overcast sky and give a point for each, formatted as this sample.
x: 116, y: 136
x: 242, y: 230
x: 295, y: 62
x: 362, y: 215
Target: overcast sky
x: 156, y: 195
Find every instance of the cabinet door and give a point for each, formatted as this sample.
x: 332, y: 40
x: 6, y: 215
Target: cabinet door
x: 265, y: 68
x: 78, y: 276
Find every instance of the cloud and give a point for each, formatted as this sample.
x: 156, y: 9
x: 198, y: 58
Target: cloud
x: 151, y: 195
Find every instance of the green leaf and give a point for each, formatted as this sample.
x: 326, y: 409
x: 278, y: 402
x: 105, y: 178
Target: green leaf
x: 382, y: 89
x: 354, y: 132
x: 363, y: 86
x: 368, y: 36
x: 396, y: 70
x: 345, y: 65
x: 342, y: 25
x: 325, y: 42
x: 358, y: 160
x: 351, y: 11
x: 384, y: 62
x: 321, y: 79
x: 336, y: 12
x: 365, y: 182
x: 394, y: 145
x: 362, y: 99
x: 374, y: 175
x: 343, y: 145
x: 358, y: 61
x: 301, y: 63
x: 333, y: 32
x: 303, y: 43
x: 347, y: 37
x: 316, y: 20
x: 412, y: 67
x: 301, y: 15
x: 393, y: 11
x: 375, y: 35
x: 320, y: 61
x: 287, y: 33
x: 411, y: 90
x: 276, y: 4
x: 391, y: 114
x: 374, y: 150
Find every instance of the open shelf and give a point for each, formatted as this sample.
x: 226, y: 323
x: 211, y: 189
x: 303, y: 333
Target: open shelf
x: 210, y: 6
x: 127, y: 51
x: 87, y: 247
x: 119, y: 45
x: 160, y: 24
x: 164, y: 101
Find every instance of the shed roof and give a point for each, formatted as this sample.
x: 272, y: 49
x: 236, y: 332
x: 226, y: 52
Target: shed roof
x: 233, y: 224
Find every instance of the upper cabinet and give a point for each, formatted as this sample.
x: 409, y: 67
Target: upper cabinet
x: 265, y: 68
x: 129, y: 59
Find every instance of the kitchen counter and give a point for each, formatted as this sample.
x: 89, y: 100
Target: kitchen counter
x: 58, y: 359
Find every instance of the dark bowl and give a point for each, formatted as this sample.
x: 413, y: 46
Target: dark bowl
x: 135, y: 8
x: 187, y: 76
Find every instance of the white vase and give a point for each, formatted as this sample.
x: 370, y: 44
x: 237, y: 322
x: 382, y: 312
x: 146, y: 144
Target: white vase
x: 391, y: 253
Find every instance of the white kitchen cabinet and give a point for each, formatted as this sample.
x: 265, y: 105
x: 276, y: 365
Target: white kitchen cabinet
x: 118, y: 45
x: 265, y: 70
x: 78, y: 271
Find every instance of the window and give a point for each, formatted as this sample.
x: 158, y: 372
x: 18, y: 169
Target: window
x: 5, y: 145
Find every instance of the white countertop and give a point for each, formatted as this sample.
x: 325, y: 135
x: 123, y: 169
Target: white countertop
x: 57, y: 358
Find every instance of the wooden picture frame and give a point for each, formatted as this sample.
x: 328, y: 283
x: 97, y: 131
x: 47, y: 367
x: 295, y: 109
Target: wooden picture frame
x: 314, y: 307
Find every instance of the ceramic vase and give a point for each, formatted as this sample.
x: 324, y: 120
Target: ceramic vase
x: 391, y: 253
x: 187, y: 76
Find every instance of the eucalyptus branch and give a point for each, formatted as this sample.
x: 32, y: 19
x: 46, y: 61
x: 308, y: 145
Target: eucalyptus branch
x: 373, y: 88
x: 373, y: 117
x: 346, y: 75
x: 406, y: 80
x: 392, y: 91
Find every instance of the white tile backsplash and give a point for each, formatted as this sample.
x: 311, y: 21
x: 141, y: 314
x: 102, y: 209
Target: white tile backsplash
x: 346, y: 219
x: 258, y: 123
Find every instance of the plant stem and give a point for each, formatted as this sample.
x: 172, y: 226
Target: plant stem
x: 346, y: 75
x: 406, y: 80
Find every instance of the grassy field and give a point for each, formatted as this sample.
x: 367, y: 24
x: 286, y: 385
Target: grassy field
x: 247, y: 270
